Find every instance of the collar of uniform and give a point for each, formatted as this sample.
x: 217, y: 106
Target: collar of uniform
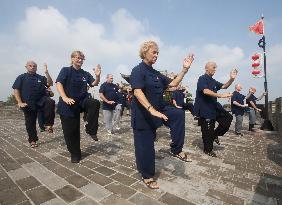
x: 146, y: 66
x: 208, y: 76
x: 31, y: 74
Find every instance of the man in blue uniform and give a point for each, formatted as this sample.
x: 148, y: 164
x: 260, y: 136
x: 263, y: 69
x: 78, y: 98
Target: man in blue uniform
x: 178, y: 97
x: 72, y: 85
x: 121, y: 100
x: 108, y: 94
x: 150, y: 111
x: 238, y: 108
x: 251, y: 101
x: 208, y: 110
x: 30, y: 93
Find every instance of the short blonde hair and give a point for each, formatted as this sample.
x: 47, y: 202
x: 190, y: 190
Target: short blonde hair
x: 77, y: 53
x: 145, y: 47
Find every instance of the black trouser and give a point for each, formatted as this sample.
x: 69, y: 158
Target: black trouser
x: 91, y: 108
x: 30, y: 116
x: 188, y: 106
x: 209, y: 133
x: 71, y: 130
x: 49, y: 112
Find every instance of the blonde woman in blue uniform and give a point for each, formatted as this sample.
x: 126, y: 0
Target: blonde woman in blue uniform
x: 150, y: 111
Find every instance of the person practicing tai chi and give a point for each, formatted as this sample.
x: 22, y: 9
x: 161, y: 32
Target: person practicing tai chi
x: 72, y: 83
x: 150, y: 111
x: 208, y: 110
x: 30, y: 93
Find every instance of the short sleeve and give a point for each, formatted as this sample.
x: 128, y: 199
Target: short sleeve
x: 165, y: 80
x: 202, y: 84
x: 18, y: 82
x: 90, y: 79
x: 137, y: 79
x: 218, y: 85
x: 102, y: 88
x: 62, y: 77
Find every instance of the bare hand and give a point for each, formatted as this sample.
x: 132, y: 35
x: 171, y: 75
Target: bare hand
x: 187, y: 62
x: 226, y: 95
x: 265, y: 93
x: 259, y: 110
x: 45, y: 67
x: 233, y: 73
x: 245, y: 105
x: 111, y: 102
x: 97, y: 70
x: 22, y: 105
x: 158, y: 114
x: 179, y: 107
x: 69, y: 101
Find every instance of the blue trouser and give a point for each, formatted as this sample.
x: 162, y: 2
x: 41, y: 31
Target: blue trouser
x: 144, y: 141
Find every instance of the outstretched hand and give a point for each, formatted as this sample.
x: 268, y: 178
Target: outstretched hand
x: 226, y: 95
x: 187, y: 62
x: 233, y: 73
x: 45, y: 67
x: 97, y: 70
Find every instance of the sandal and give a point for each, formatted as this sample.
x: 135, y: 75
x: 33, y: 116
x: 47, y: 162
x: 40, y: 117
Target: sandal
x: 185, y: 158
x: 33, y: 145
x: 151, y: 184
x: 49, y: 129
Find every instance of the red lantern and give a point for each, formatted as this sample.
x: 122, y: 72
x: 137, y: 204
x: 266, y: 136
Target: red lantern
x: 255, y: 56
x: 254, y: 65
x: 256, y: 72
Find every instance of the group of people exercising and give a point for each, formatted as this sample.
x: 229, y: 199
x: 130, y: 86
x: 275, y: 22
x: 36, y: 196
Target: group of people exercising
x: 149, y: 110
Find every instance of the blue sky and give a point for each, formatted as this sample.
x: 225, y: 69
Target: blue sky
x: 110, y: 33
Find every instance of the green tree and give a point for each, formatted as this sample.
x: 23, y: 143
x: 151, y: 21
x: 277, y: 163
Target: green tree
x: 11, y: 100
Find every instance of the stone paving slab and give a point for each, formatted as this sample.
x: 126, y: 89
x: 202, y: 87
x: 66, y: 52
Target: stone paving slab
x: 248, y: 169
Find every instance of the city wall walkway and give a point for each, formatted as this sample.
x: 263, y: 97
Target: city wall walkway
x: 248, y: 169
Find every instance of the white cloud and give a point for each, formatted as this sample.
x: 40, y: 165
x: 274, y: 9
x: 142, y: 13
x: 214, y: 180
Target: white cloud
x: 46, y: 35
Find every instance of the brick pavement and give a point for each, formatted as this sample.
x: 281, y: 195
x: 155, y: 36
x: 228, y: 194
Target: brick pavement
x: 247, y: 171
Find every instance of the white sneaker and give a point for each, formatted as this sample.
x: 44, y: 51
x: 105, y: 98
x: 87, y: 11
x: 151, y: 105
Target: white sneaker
x: 109, y: 132
x: 117, y: 128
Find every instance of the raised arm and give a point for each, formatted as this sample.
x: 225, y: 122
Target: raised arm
x: 49, y: 79
x: 97, y: 72
x: 217, y: 95
x: 262, y: 95
x: 233, y: 75
x: 186, y: 65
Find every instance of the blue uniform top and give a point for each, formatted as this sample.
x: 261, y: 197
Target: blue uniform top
x: 178, y: 96
x: 75, y: 86
x: 153, y: 84
x: 32, y: 88
x: 121, y: 98
x: 238, y: 97
x: 110, y: 91
x: 253, y: 99
x: 205, y: 106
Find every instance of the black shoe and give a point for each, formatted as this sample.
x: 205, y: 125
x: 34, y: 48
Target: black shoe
x: 75, y: 159
x: 217, y: 141
x: 94, y: 137
x: 211, y: 153
x: 239, y: 134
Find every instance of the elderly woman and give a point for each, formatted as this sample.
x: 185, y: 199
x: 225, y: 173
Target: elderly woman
x: 72, y: 85
x: 149, y: 111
